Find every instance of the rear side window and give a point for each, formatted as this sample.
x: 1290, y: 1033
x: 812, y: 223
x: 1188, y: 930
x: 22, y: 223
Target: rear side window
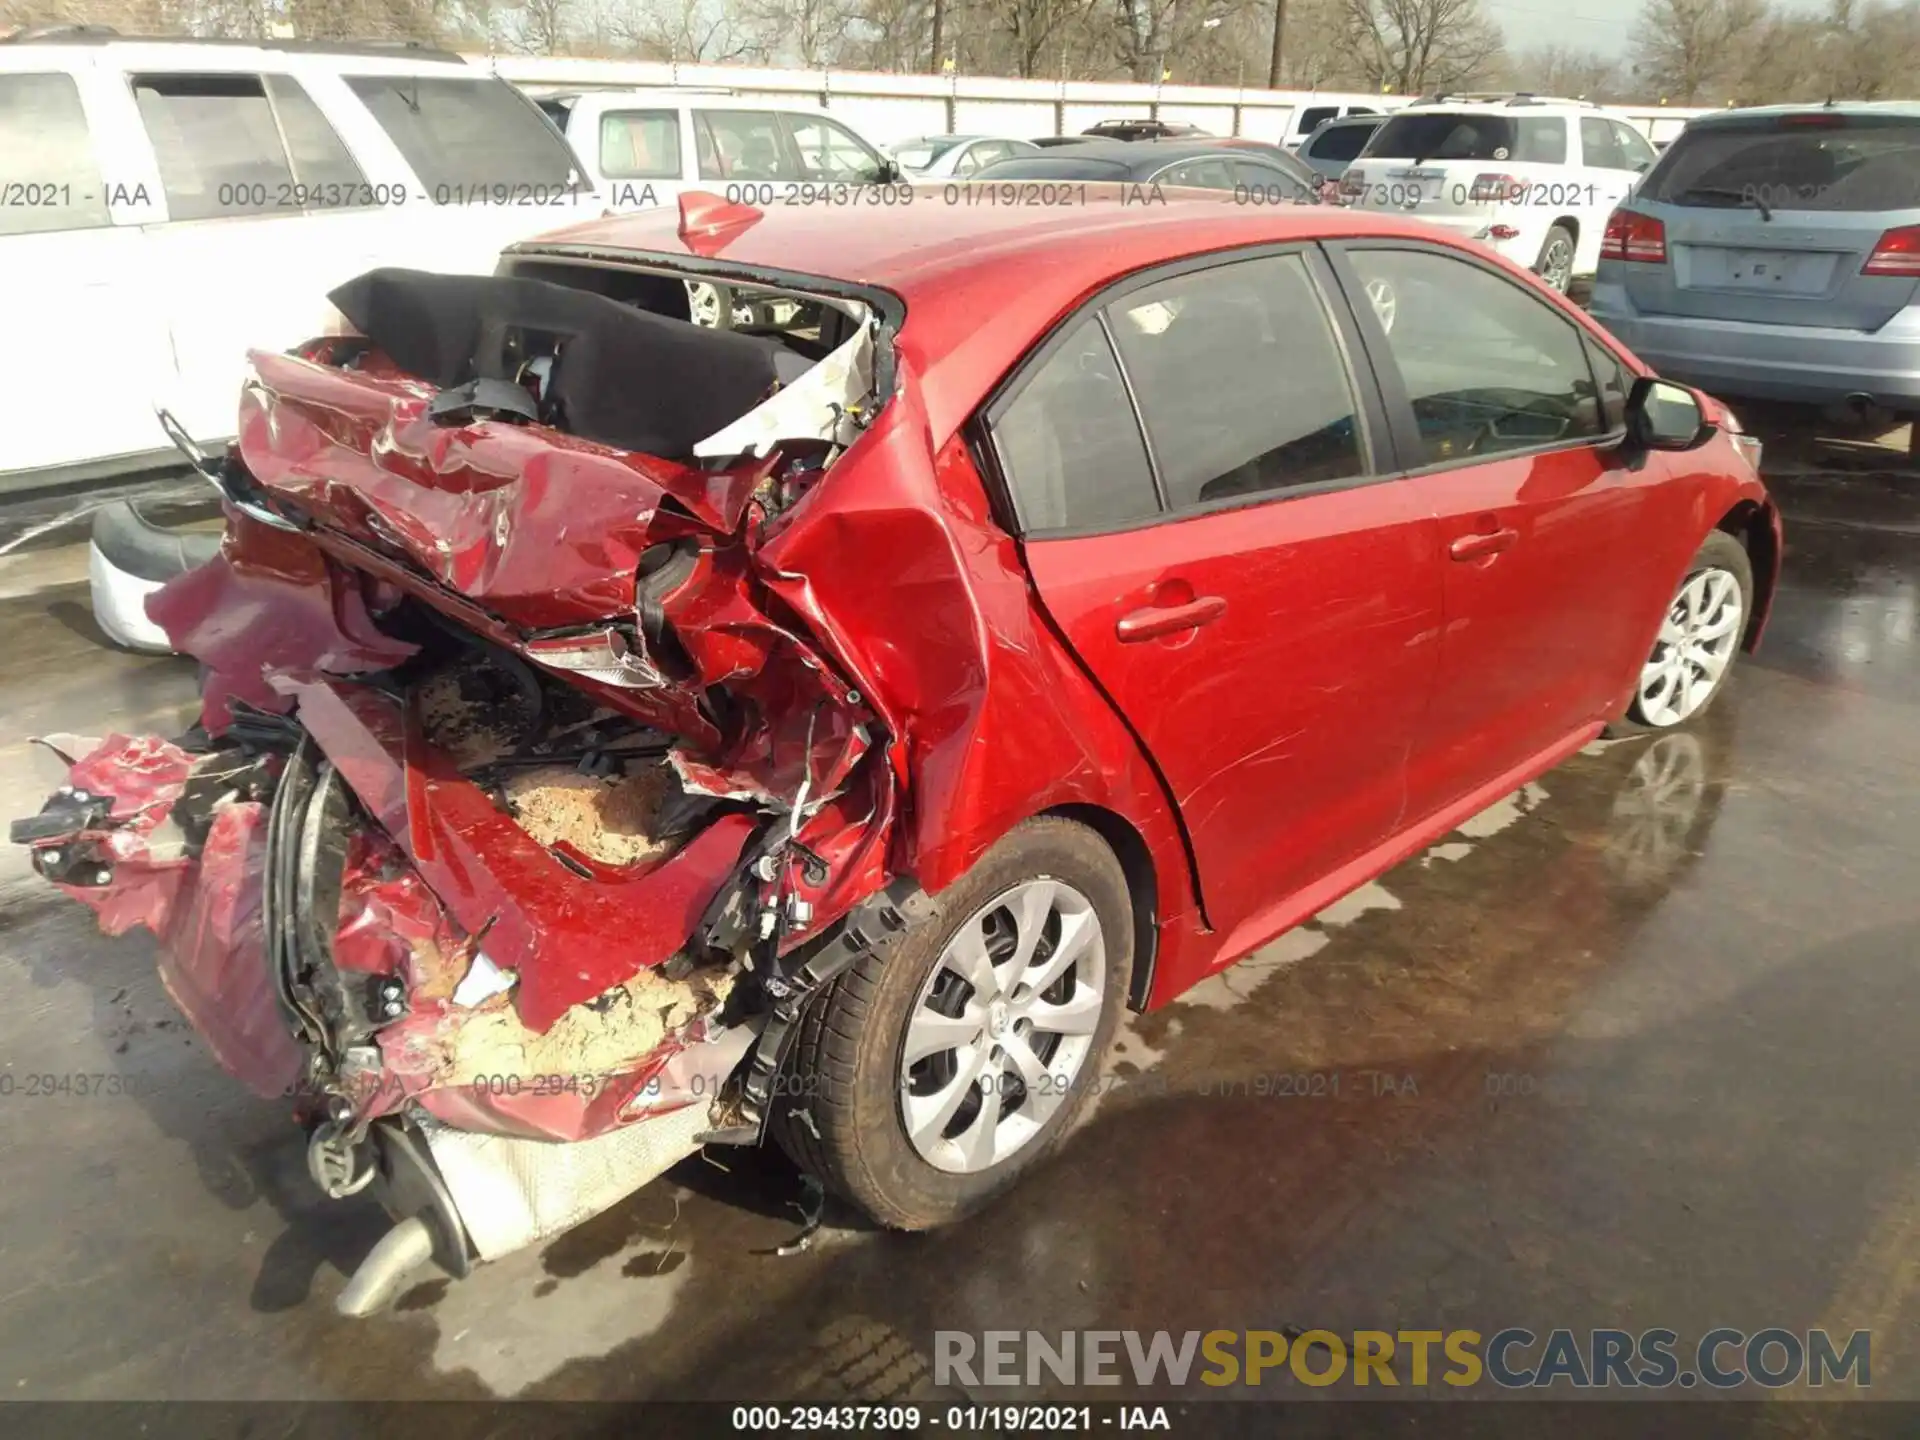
x: 466, y: 136
x: 640, y: 145
x: 1639, y: 154
x: 1848, y: 164
x: 1069, y: 444
x: 1240, y: 381
x: 217, y: 144
x: 325, y: 173
x: 43, y: 134
x: 1450, y: 135
x: 1313, y: 116
x: 1207, y: 173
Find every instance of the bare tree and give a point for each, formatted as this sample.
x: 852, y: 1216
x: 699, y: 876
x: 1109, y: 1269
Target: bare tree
x: 1563, y: 70
x: 812, y: 32
x: 1413, y: 46
x: 1279, y: 44
x: 544, y: 27
x: 700, y: 31
x: 1689, y: 51
x: 1034, y: 29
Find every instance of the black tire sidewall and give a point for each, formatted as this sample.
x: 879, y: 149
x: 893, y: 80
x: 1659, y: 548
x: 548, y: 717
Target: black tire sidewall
x: 864, y: 1145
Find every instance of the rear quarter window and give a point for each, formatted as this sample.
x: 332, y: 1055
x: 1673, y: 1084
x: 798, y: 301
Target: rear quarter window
x: 1850, y: 166
x: 43, y: 134
x: 463, y: 136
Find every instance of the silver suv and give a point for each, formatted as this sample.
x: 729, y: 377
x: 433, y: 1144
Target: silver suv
x: 1774, y: 253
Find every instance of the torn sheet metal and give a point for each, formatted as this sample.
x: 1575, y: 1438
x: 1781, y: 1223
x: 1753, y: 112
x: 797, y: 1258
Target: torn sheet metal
x: 821, y: 405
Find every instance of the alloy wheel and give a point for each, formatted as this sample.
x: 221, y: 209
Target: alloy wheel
x: 1694, y: 647
x: 1556, y: 266
x: 1002, y: 1026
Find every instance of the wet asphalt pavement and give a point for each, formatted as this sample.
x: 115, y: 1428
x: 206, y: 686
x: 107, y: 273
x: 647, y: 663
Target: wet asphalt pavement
x: 1638, y: 1046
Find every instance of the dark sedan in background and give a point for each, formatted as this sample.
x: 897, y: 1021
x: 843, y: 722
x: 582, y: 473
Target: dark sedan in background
x: 1266, y: 174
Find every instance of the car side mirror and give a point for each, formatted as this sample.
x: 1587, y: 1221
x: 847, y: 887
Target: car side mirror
x: 889, y: 173
x: 1664, y: 416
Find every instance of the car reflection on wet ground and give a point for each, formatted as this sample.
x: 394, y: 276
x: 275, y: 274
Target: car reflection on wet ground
x: 1635, y: 1047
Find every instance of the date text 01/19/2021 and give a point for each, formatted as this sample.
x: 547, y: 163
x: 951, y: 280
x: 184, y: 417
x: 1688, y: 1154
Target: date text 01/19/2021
x: 962, y: 1419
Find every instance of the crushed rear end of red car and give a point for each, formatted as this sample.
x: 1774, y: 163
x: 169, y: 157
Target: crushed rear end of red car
x: 531, y: 794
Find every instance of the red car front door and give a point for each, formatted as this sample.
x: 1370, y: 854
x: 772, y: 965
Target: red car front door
x: 1506, y: 428
x: 1261, y: 607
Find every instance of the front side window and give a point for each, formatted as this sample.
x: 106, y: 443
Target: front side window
x: 43, y: 134
x: 1240, y: 380
x: 1314, y: 115
x: 466, y: 137
x: 742, y: 145
x: 1069, y: 444
x: 217, y: 144
x: 1488, y: 367
x: 640, y: 145
x: 1634, y: 148
x: 829, y: 151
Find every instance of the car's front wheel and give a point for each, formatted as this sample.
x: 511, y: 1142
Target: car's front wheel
x: 1699, y: 637
x: 924, y: 1082
x: 1555, y: 265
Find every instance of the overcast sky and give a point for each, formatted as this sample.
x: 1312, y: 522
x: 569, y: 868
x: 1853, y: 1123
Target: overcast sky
x: 1601, y: 25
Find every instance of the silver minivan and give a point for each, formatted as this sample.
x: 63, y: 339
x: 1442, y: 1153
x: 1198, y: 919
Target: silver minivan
x: 1774, y: 253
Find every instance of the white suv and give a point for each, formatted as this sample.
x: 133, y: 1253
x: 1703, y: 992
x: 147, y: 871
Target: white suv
x: 1533, y: 177
x: 645, y: 147
x: 167, y: 205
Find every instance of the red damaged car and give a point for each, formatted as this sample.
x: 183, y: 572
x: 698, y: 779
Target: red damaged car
x: 622, y: 735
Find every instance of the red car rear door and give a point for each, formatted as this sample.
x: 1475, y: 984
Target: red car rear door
x: 1193, y: 460
x: 1508, y: 410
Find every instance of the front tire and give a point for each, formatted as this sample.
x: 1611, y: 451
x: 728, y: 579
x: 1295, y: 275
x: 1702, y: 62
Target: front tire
x: 1699, y: 639
x: 924, y: 1082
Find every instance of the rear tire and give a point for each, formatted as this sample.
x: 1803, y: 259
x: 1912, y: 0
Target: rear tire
x: 848, y: 1085
x: 1698, y: 643
x: 1555, y: 265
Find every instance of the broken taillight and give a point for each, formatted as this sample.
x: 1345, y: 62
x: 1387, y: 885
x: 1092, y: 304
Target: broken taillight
x: 1896, y: 253
x: 1633, y: 236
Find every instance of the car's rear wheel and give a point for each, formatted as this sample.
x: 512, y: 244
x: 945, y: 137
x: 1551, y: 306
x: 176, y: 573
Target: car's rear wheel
x: 1699, y: 638
x: 1555, y: 265
x: 927, y: 1081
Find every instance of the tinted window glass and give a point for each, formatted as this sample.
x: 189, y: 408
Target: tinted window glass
x: 1487, y: 366
x: 320, y: 162
x: 1240, y: 380
x: 1598, y: 145
x: 1851, y: 166
x: 1069, y: 443
x: 1342, y: 142
x: 464, y: 135
x: 1206, y: 174
x: 1443, y: 135
x: 1269, y: 182
x: 742, y: 145
x: 1313, y: 115
x: 829, y: 151
x: 43, y: 134
x: 640, y: 145
x: 1615, y: 382
x: 216, y: 143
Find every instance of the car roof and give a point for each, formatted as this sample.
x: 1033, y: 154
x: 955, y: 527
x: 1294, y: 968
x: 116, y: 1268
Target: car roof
x: 1140, y: 156
x: 958, y: 265
x: 163, y: 51
x: 1898, y: 109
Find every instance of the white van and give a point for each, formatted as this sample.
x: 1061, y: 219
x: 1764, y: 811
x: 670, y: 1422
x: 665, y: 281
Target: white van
x: 1317, y: 109
x: 168, y: 205
x: 644, y: 147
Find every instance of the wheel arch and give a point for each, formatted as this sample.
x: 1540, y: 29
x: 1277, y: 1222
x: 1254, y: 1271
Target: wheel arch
x: 1754, y: 525
x: 1136, y: 863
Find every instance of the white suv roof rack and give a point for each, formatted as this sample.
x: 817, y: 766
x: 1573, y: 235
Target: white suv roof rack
x: 1501, y: 97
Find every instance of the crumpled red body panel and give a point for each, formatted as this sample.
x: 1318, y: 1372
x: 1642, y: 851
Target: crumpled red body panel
x: 534, y: 525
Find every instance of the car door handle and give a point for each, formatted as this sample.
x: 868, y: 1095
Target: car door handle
x: 1157, y: 620
x: 1477, y: 547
